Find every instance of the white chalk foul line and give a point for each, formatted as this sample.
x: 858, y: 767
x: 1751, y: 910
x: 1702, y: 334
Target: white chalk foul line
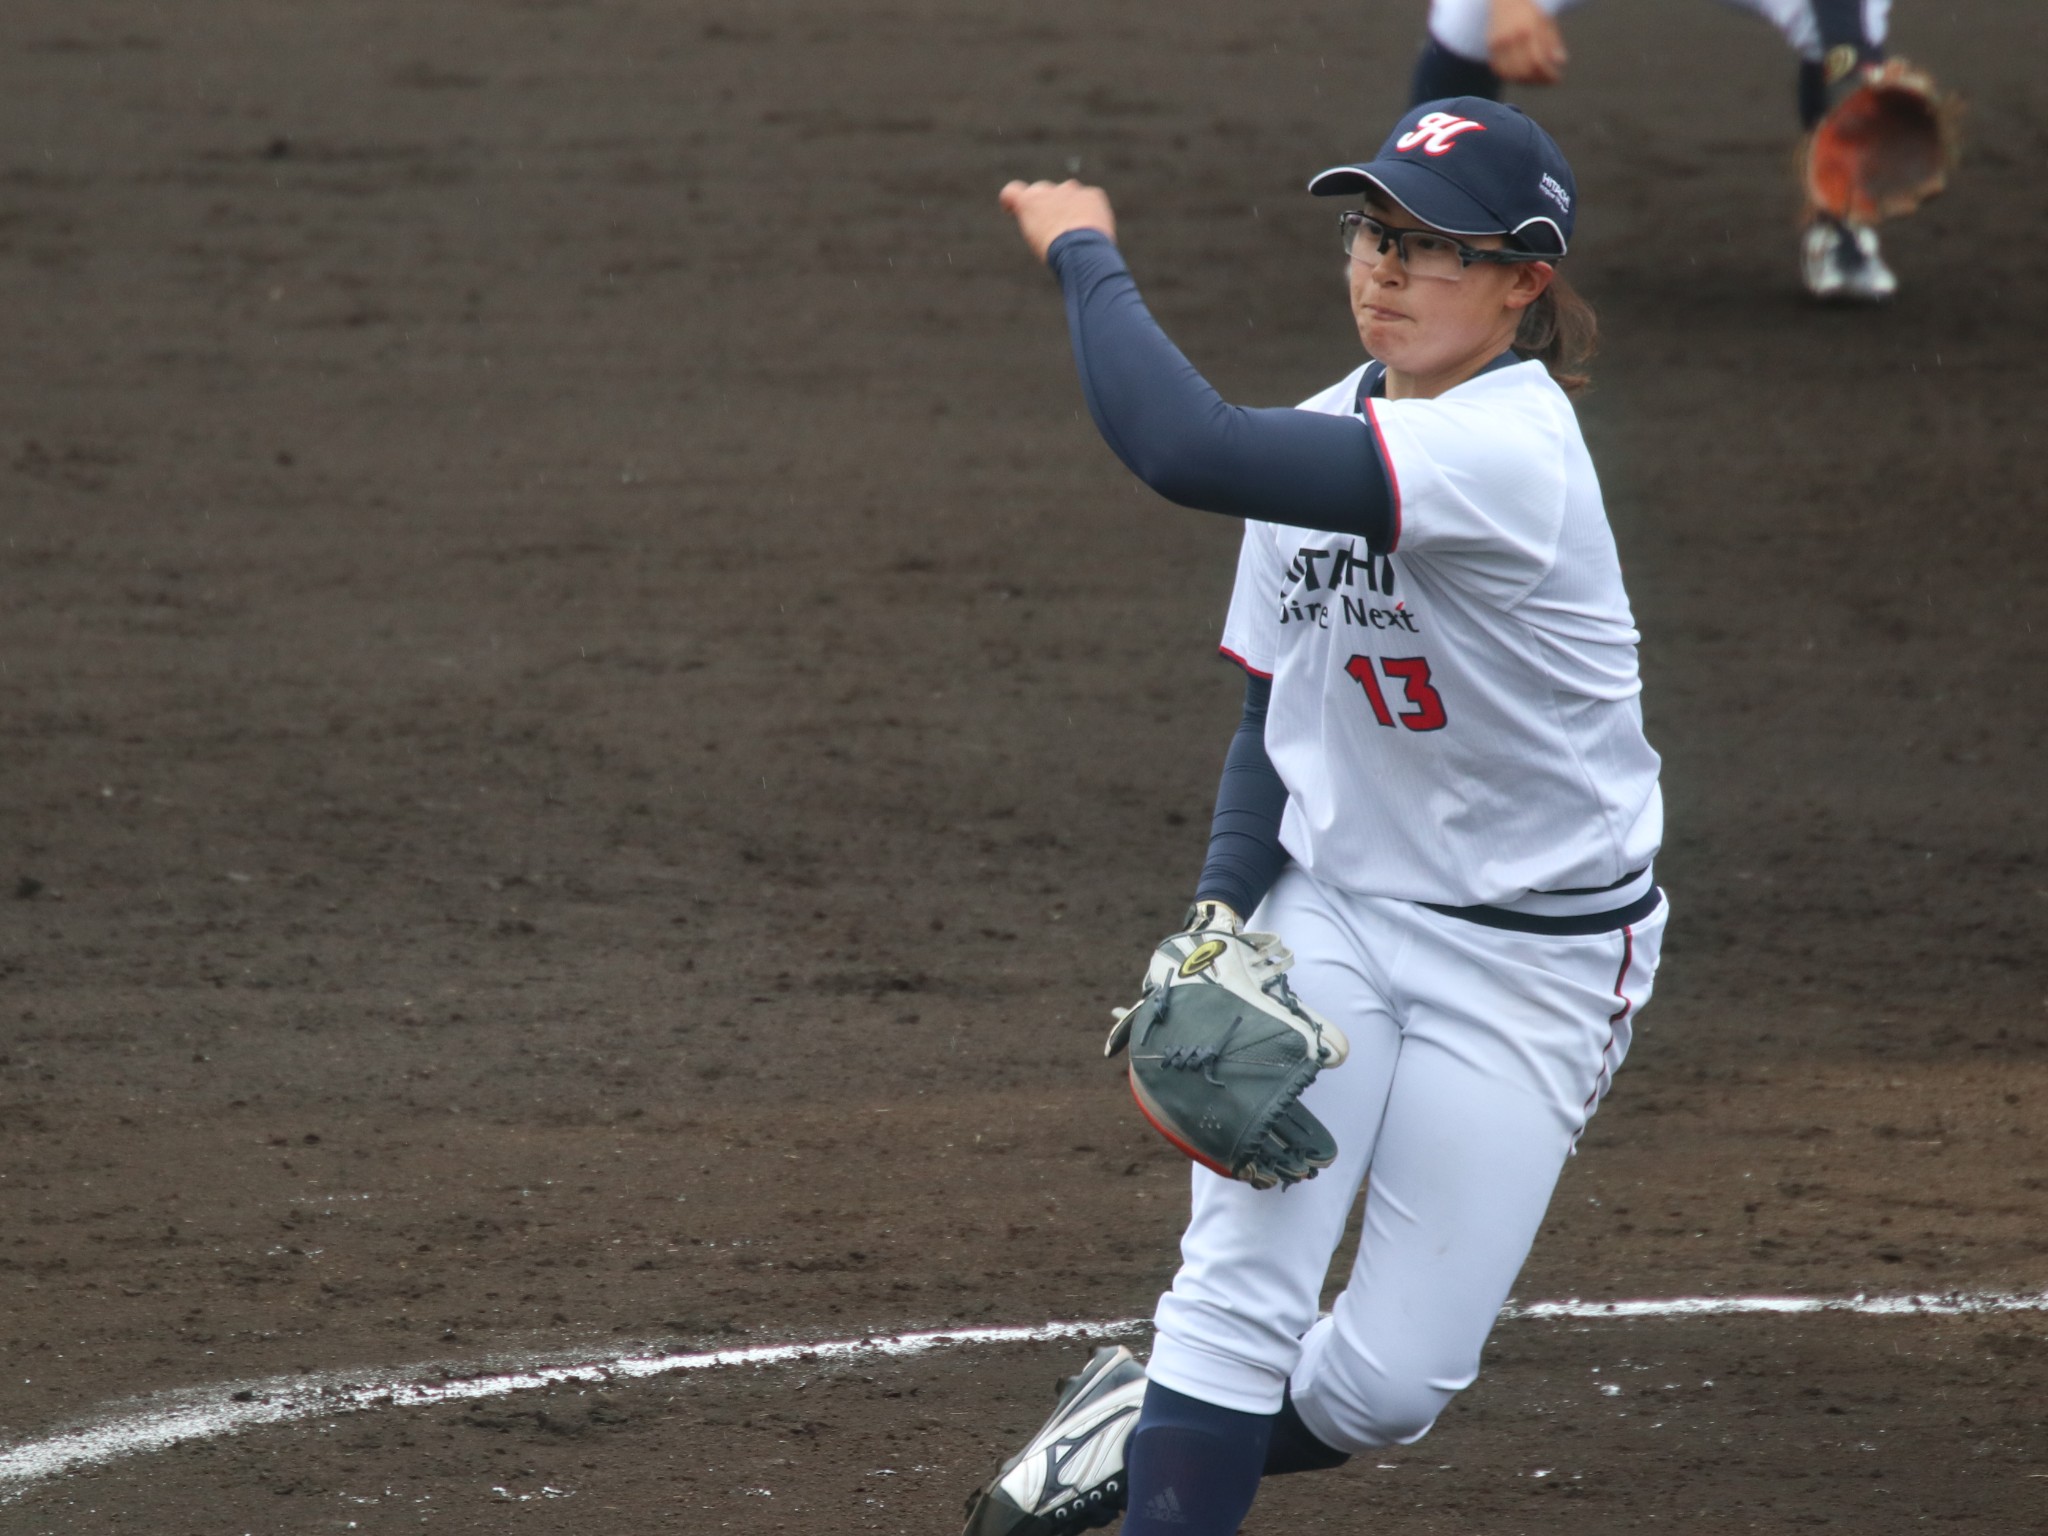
x: 1958, y: 1304
x: 165, y: 1419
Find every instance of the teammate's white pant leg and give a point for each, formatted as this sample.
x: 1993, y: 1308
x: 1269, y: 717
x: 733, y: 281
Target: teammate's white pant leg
x: 1460, y: 25
x: 1477, y: 1056
x: 1794, y: 20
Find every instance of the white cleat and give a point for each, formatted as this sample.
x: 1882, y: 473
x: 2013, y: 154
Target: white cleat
x: 1842, y: 262
x: 1071, y: 1476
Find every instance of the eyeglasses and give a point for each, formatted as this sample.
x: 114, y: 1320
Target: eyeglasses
x: 1424, y: 252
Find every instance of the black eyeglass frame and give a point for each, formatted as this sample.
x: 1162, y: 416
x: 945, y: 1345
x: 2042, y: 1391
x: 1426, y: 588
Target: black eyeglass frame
x: 1398, y: 239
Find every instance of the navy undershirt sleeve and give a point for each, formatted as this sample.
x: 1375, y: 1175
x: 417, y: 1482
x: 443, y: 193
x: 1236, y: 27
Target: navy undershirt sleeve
x: 1245, y: 856
x: 1840, y: 24
x: 1172, y: 430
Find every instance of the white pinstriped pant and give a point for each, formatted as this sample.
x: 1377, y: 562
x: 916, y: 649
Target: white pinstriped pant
x: 1477, y: 1056
x: 1460, y: 25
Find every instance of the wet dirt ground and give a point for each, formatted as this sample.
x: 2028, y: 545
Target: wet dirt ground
x: 589, y: 734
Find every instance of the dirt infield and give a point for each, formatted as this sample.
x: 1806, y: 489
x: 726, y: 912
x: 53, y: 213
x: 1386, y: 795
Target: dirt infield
x: 589, y: 734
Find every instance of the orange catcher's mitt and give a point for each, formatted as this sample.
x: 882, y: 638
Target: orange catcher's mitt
x: 1884, y: 148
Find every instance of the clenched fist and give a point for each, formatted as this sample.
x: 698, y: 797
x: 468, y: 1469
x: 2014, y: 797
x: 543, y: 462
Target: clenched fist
x: 1045, y: 210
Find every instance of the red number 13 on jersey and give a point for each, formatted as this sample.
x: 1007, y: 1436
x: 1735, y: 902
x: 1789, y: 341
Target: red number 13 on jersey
x: 1413, y: 673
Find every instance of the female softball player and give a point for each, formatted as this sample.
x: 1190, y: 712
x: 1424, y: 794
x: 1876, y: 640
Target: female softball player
x: 1439, y: 795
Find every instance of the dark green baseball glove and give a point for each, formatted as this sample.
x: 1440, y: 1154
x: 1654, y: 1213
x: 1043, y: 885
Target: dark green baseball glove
x: 1221, y: 1050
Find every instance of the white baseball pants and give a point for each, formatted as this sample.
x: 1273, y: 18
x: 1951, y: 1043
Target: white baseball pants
x: 1477, y: 1056
x: 1460, y: 25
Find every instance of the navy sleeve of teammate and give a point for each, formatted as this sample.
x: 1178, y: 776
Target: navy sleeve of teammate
x: 1245, y: 856
x: 1841, y: 27
x: 1172, y: 430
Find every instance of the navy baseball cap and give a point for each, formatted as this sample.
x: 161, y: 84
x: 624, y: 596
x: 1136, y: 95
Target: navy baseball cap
x: 1469, y: 166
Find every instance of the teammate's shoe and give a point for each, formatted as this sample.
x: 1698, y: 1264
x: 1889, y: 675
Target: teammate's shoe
x: 1071, y: 1476
x: 1842, y: 261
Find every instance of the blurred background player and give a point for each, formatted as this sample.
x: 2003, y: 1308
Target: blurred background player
x: 1475, y: 45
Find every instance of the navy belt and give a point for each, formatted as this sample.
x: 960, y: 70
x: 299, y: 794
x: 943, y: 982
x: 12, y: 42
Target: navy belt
x: 1610, y: 921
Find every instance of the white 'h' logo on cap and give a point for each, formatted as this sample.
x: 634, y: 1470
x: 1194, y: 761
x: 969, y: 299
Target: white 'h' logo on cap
x: 1434, y: 131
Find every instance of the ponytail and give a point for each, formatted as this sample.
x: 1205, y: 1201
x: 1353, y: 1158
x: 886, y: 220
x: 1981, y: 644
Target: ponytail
x: 1561, y: 332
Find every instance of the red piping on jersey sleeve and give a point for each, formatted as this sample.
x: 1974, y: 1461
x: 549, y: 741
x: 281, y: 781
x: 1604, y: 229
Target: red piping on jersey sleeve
x: 1232, y: 655
x: 1387, y: 463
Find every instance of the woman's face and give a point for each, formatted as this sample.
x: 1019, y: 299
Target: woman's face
x: 1435, y: 332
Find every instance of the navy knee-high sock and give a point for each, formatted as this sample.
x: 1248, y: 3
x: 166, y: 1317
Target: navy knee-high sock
x: 1440, y: 73
x: 1294, y: 1447
x: 1194, y: 1468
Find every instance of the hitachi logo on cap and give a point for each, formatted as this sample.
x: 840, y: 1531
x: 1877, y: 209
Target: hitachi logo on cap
x: 1551, y: 188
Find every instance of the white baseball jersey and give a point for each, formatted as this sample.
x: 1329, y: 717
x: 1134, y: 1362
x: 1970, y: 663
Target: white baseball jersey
x: 1457, y: 719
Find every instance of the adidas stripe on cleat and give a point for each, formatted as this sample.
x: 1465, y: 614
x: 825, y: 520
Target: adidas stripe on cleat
x: 1070, y: 1477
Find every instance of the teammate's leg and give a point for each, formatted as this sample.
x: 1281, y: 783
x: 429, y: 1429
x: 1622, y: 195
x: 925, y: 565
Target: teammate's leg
x: 1833, y: 38
x: 1509, y: 1041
